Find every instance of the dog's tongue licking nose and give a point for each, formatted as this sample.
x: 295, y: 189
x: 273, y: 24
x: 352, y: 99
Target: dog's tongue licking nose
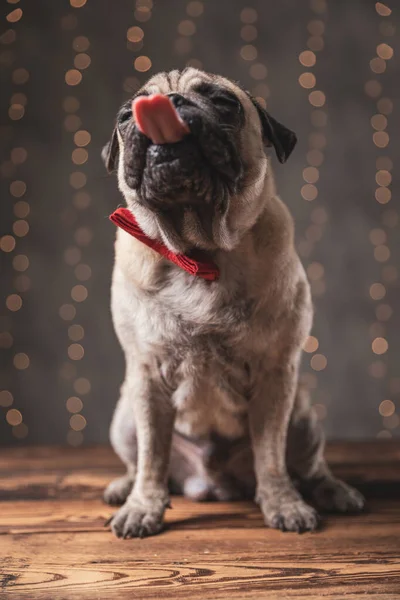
x: 156, y: 118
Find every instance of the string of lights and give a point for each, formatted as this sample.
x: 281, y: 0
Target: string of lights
x: 82, y: 236
x: 250, y: 53
x: 308, y: 58
x: 13, y: 243
x: 135, y: 43
x: 186, y: 30
x: 143, y: 13
x: 379, y: 236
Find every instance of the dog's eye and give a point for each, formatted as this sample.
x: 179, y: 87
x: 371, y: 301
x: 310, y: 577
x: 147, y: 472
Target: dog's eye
x: 217, y: 94
x: 227, y: 104
x: 226, y: 101
x: 124, y: 116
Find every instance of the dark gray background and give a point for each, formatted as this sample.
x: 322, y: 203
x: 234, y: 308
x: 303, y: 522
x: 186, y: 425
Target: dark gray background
x: 349, y: 391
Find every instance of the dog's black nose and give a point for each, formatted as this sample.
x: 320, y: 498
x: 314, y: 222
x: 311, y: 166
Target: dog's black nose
x: 179, y: 100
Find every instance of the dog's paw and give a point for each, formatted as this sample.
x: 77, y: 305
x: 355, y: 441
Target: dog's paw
x: 118, y: 490
x: 137, y: 519
x: 333, y: 495
x: 291, y: 516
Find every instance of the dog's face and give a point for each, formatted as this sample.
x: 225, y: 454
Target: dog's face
x: 190, y: 184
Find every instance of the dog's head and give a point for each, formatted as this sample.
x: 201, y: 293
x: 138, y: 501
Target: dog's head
x: 195, y: 190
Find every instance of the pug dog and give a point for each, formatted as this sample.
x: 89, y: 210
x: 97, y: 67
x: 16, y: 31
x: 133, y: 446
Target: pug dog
x: 211, y: 306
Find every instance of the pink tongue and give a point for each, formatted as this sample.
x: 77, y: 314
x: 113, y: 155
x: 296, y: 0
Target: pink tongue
x: 157, y: 119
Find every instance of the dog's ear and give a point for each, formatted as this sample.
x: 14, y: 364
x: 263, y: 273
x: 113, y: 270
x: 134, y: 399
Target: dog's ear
x: 275, y: 134
x: 109, y: 154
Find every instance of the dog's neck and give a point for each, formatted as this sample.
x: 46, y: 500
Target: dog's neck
x: 197, y: 265
x: 228, y: 227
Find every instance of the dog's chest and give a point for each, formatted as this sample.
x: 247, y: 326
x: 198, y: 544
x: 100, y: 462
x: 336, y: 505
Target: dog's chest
x: 202, y: 347
x: 207, y: 368
x: 213, y: 386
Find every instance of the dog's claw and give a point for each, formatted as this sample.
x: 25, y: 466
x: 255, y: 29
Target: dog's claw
x: 136, y: 519
x: 294, y: 516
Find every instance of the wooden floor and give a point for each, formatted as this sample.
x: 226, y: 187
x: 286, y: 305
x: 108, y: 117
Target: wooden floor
x: 53, y: 544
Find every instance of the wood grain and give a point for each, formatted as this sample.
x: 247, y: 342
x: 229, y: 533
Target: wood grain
x: 54, y: 546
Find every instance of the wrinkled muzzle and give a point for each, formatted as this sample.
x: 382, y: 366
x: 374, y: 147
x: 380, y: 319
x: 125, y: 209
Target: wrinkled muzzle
x: 178, y: 152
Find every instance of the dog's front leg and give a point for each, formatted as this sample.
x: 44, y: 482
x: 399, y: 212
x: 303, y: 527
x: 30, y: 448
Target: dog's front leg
x: 269, y: 413
x: 143, y: 511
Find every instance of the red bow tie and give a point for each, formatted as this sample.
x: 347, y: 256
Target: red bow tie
x: 203, y: 268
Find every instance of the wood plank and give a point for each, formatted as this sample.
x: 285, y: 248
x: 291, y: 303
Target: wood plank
x: 235, y: 560
x: 60, y: 457
x: 45, y: 473
x: 54, y: 546
x: 88, y: 515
